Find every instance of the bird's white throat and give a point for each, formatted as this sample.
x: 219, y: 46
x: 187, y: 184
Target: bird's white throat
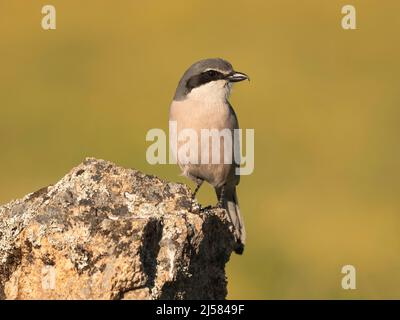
x: 212, y: 92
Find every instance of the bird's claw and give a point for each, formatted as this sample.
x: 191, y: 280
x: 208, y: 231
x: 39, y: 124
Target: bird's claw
x: 219, y: 205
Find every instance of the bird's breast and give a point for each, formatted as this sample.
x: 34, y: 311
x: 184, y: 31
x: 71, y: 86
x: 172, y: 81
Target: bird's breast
x: 199, y: 115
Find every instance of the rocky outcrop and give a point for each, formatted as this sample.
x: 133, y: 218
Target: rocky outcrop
x: 105, y: 232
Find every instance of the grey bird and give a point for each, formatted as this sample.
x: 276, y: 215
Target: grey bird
x: 201, y: 102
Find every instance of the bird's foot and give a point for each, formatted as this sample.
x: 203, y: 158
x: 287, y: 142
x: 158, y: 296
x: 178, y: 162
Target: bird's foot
x: 204, y: 209
x: 221, y: 197
x: 220, y: 204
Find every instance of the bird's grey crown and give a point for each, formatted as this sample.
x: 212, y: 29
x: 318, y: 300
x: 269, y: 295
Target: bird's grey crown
x: 197, y: 69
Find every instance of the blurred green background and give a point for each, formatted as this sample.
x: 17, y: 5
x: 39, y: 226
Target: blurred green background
x: 324, y: 103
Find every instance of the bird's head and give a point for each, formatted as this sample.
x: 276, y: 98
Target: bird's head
x: 208, y: 79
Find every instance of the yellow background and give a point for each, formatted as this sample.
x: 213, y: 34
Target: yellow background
x: 324, y: 103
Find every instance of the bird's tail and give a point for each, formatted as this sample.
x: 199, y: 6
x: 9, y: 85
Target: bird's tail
x: 231, y: 204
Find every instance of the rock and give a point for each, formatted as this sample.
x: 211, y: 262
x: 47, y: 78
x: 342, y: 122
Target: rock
x: 105, y: 232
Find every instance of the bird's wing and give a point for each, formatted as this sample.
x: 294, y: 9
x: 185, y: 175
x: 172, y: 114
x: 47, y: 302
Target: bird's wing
x: 235, y: 125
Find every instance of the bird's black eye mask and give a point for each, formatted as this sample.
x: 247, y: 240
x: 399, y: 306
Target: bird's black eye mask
x: 203, y: 78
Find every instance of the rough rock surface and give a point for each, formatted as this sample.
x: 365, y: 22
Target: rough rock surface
x: 105, y: 232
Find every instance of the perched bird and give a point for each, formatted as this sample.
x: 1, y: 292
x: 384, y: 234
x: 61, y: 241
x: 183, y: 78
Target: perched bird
x: 201, y: 102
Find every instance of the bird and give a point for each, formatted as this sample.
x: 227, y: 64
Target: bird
x: 201, y: 101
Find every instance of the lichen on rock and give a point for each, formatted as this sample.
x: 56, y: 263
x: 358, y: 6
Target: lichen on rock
x: 106, y: 232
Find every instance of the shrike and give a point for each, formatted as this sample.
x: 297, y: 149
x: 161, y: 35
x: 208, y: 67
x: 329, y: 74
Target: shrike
x: 201, y: 102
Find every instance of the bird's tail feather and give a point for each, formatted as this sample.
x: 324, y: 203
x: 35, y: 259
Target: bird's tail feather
x: 231, y: 204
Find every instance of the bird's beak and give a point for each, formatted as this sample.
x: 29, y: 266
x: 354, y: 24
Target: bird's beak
x: 237, y: 76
